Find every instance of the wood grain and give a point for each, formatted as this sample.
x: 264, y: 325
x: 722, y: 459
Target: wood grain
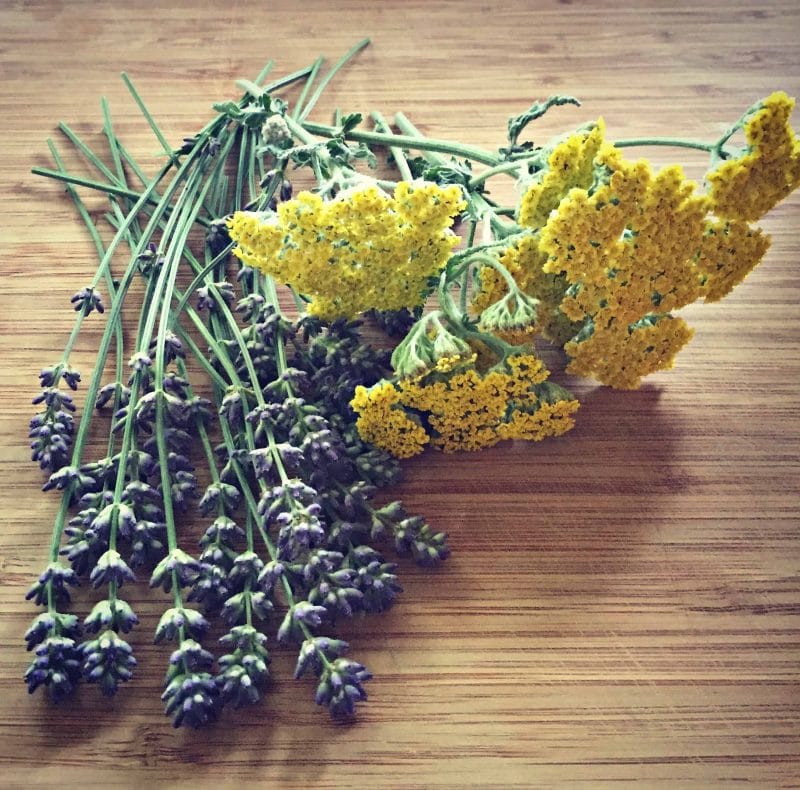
x: 622, y: 604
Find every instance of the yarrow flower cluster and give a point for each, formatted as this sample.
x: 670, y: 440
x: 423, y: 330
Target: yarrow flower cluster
x: 306, y: 418
x: 456, y: 407
x: 361, y: 250
x: 615, y: 249
x: 747, y: 186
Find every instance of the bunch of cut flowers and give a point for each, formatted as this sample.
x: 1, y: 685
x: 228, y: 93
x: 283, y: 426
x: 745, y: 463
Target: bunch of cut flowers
x: 307, y: 415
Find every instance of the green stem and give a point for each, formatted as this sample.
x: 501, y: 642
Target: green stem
x: 503, y: 167
x: 382, y: 126
x: 148, y: 117
x: 108, y: 130
x: 306, y: 88
x: 113, y: 322
x: 168, y: 275
x: 100, y: 186
x: 405, y: 141
x: 352, y: 52
x: 671, y: 142
x: 90, y: 156
x: 473, y: 225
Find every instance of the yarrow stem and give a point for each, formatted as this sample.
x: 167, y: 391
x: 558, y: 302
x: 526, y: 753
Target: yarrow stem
x: 405, y: 141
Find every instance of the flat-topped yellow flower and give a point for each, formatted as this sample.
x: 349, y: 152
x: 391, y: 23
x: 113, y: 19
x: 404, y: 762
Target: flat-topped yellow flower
x: 620, y: 356
x: 629, y: 247
x: 749, y: 186
x: 386, y: 426
x: 570, y: 164
x: 629, y: 252
x: 464, y: 408
x: 729, y: 252
x: 363, y: 249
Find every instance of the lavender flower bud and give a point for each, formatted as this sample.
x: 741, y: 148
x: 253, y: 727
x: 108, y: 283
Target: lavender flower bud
x: 246, y: 569
x: 173, y: 620
x: 140, y: 493
x: 208, y: 295
x: 319, y: 563
x: 87, y: 299
x: 210, y: 586
x: 262, y: 461
x: 312, y: 652
x: 126, y: 520
x: 231, y: 408
x: 108, y: 660
x: 336, y: 595
x: 69, y: 476
x: 223, y: 529
x: 301, y: 531
x: 139, y: 362
x: 415, y: 536
x: 340, y: 686
x: 234, y: 610
x: 198, y: 410
x: 57, y: 666
x: 52, y: 434
x: 250, y: 306
x: 219, y: 494
x: 71, y: 377
x: 50, y: 624
x: 178, y: 567
x: 107, y: 393
x: 102, y: 471
x: 55, y: 577
x: 192, y: 654
x: 173, y: 348
x: 300, y: 613
x: 48, y: 376
x: 111, y: 568
x: 176, y: 385
x: 184, y: 486
x: 54, y: 399
x: 116, y: 615
x: 269, y: 576
x: 192, y: 698
x: 147, y: 543
x: 291, y: 456
x: 375, y: 578
x: 245, y: 670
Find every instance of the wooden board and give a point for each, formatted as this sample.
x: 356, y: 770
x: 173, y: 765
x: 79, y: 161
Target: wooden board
x: 621, y: 603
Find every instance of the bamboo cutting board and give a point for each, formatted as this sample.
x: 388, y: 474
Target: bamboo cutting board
x: 621, y: 603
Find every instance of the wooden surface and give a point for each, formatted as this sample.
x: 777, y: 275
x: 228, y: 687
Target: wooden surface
x: 621, y: 604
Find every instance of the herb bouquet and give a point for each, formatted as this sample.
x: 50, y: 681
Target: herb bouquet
x: 307, y: 417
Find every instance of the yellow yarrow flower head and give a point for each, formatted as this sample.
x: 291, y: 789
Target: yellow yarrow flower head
x: 462, y: 408
x: 570, y: 164
x: 364, y: 249
x: 620, y: 356
x: 747, y: 187
x: 630, y: 244
x: 629, y: 251
x: 729, y: 252
x: 382, y: 423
